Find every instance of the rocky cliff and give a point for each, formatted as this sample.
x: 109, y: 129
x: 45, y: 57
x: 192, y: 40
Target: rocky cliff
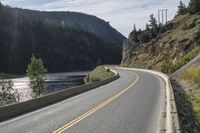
x: 175, y: 40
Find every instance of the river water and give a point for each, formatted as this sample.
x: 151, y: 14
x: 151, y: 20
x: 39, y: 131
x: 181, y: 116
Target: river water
x: 54, y: 82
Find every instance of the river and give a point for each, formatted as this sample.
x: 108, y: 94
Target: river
x: 54, y: 82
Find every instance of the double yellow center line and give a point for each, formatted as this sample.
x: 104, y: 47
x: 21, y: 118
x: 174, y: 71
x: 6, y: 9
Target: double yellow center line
x: 78, y: 119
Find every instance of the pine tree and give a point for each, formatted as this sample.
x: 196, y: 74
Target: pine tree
x: 135, y: 33
x: 37, y: 75
x: 182, y: 9
x: 194, y: 6
x: 152, y: 22
x: 153, y: 26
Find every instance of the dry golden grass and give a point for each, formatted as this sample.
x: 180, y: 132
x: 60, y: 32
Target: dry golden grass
x: 193, y: 74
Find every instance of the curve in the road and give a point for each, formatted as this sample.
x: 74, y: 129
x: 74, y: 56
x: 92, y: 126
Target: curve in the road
x: 120, y: 106
x: 90, y: 112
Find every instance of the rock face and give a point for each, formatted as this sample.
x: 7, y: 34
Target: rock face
x: 179, y: 37
x: 66, y: 41
x: 128, y: 49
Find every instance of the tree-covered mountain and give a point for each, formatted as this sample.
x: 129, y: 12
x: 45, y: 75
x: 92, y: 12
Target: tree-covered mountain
x: 66, y: 41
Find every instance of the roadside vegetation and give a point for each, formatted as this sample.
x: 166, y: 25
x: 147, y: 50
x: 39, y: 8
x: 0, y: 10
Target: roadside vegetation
x: 99, y: 74
x: 192, y: 76
x: 7, y: 94
x: 37, y: 75
x: 195, y: 101
x: 169, y: 67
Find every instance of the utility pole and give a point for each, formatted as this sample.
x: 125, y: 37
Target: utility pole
x: 164, y: 15
x: 158, y: 16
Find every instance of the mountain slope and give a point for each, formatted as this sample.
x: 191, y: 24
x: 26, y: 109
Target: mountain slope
x: 74, y: 20
x: 63, y: 43
x: 179, y: 37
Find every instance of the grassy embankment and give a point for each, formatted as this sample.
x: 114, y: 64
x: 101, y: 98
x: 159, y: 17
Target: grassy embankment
x: 99, y: 74
x: 169, y: 67
x: 192, y: 75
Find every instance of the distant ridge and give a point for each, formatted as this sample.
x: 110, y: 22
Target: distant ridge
x: 66, y: 41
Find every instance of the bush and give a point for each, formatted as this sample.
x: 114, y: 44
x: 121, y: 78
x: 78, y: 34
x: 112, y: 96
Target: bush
x: 37, y: 75
x: 108, y: 70
x: 95, y: 79
x: 188, y: 57
x: 7, y: 94
x: 167, y: 67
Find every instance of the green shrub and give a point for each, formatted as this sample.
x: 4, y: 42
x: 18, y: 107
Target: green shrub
x: 6, y: 92
x: 184, y: 60
x: 167, y: 67
x: 95, y: 79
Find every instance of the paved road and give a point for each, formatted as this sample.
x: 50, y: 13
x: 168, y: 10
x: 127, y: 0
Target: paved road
x: 130, y: 104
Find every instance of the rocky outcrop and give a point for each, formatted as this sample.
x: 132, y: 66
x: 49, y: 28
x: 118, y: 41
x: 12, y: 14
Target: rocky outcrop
x: 174, y: 40
x: 128, y: 49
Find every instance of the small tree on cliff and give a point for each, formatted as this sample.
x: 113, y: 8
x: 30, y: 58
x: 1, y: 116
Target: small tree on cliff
x: 153, y: 26
x: 182, y: 9
x: 152, y: 22
x: 37, y: 75
x: 134, y: 33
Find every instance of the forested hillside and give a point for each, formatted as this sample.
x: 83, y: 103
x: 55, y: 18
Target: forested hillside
x: 65, y: 41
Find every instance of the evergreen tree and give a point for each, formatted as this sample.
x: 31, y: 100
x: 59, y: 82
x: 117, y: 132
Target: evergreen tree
x: 135, y: 33
x: 194, y: 6
x: 153, y: 26
x: 37, y: 75
x: 152, y: 22
x: 182, y: 9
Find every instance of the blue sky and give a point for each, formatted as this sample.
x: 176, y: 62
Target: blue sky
x: 121, y: 14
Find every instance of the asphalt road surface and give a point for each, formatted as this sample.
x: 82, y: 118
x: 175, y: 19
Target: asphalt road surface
x: 130, y: 104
